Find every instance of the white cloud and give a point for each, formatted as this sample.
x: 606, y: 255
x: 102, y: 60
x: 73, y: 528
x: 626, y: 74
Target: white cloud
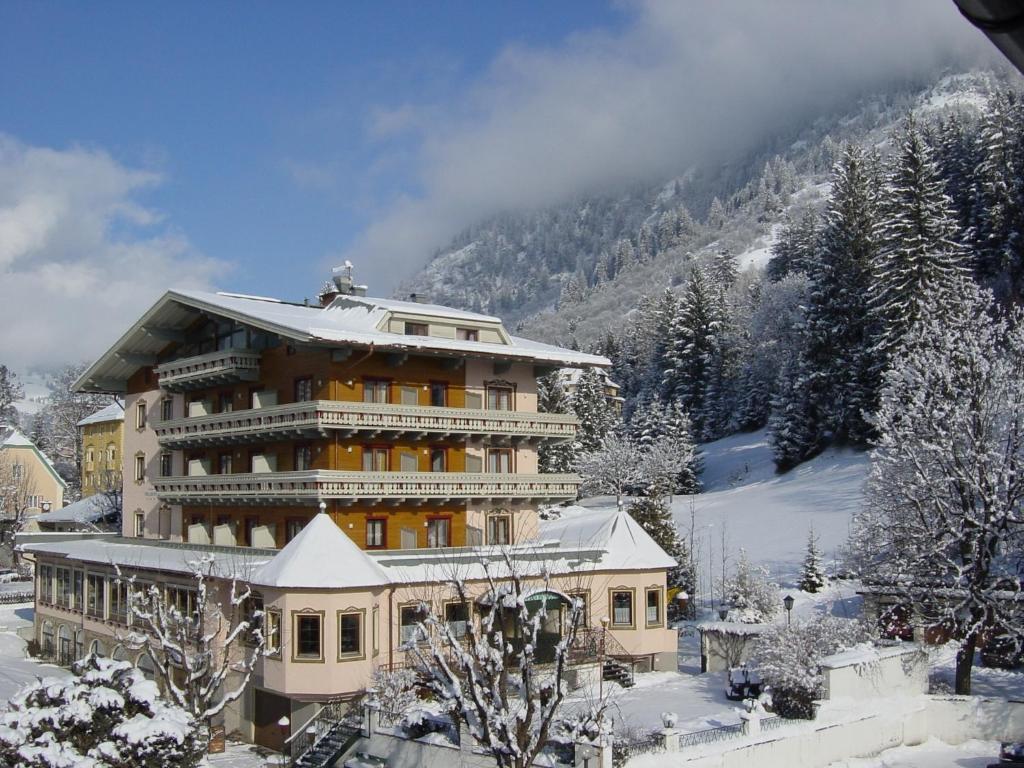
x: 80, y: 256
x: 685, y: 82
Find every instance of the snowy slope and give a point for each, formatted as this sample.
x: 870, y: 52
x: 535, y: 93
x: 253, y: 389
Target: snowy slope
x: 769, y: 514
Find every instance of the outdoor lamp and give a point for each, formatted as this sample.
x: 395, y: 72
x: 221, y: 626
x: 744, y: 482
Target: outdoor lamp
x: 788, y: 601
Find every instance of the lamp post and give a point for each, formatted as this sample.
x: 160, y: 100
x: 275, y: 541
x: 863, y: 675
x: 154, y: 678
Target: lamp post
x: 788, y: 601
x: 681, y: 597
x: 600, y: 660
x: 285, y: 725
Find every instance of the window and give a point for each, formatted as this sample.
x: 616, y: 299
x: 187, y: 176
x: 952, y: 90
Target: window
x: 95, y: 599
x: 474, y: 401
x: 456, y: 616
x: 499, y: 398
x: 374, y: 622
x: 308, y: 630
x: 653, y: 607
x: 224, y: 464
x: 376, y: 390
x: 78, y: 590
x: 166, y: 469
x: 293, y: 527
x: 273, y: 633
x: 350, y: 634
x: 140, y: 415
x: 111, y: 454
x: 499, y: 529
x: 438, y: 459
x: 304, y: 389
x: 140, y: 468
x: 622, y: 608
x: 438, y: 394
x: 90, y: 456
x: 584, y: 600
x: 467, y: 334
x: 439, y: 532
x: 375, y: 459
x: 46, y: 583
x: 409, y: 618
x: 182, y: 599
x: 225, y: 402
x: 140, y: 524
x: 119, y: 600
x: 166, y: 409
x: 63, y: 587
x: 376, y: 533
x: 499, y: 460
x: 303, y: 458
x: 416, y: 329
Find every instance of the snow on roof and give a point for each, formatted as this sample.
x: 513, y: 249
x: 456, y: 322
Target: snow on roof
x: 321, y: 556
x: 87, y: 510
x: 866, y: 653
x: 132, y: 554
x: 416, y: 308
x: 733, y: 627
x: 112, y: 412
x: 627, y: 546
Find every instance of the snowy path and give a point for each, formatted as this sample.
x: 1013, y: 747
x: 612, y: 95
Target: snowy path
x: 16, y: 668
x: 932, y: 754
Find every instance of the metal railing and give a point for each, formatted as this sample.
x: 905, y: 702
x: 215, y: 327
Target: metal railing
x: 710, y: 736
x: 313, y: 485
x: 323, y: 722
x: 319, y: 416
x: 210, y: 368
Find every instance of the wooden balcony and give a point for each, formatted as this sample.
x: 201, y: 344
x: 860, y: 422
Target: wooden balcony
x: 211, y: 369
x: 311, y: 486
x: 367, y: 420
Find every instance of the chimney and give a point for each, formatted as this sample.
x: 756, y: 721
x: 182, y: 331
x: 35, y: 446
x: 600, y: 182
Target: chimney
x: 419, y: 298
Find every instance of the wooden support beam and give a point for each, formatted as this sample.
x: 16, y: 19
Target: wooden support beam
x: 134, y: 359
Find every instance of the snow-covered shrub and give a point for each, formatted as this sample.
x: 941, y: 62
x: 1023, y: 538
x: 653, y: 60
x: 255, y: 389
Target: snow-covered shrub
x: 789, y: 659
x: 106, y: 716
x: 395, y: 692
x: 752, y: 598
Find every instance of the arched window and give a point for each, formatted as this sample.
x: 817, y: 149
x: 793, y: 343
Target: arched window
x: 96, y: 648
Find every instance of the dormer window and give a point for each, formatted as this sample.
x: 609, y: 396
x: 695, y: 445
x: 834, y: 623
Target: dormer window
x: 467, y: 334
x: 416, y: 329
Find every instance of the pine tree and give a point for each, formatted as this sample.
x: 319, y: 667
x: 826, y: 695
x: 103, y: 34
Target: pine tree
x: 812, y: 577
x: 552, y: 398
x: 751, y: 597
x: 716, y: 214
x: 11, y: 391
x: 795, y: 246
x: 655, y: 517
x: 595, y: 414
x: 793, y: 434
x: 920, y: 260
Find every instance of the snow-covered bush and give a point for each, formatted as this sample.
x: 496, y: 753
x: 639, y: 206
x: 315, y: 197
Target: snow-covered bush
x: 752, y: 598
x: 106, y: 716
x: 395, y: 692
x: 789, y: 658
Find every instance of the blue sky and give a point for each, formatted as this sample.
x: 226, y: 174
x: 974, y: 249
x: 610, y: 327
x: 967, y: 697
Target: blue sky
x: 257, y: 115
x: 250, y: 146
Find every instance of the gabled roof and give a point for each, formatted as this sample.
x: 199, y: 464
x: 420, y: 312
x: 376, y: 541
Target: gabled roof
x: 91, y: 509
x: 321, y: 556
x: 13, y: 438
x: 347, y: 321
x: 112, y: 412
x: 626, y: 545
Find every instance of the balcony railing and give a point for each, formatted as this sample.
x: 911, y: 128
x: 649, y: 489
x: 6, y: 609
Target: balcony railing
x: 317, y: 417
x: 213, y: 368
x: 313, y: 485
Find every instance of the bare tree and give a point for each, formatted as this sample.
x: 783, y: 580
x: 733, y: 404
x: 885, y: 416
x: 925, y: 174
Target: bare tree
x: 17, y: 497
x: 614, y: 468
x: 198, y: 640
x: 492, y: 674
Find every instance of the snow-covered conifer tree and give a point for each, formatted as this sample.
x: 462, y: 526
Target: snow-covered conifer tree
x: 11, y: 391
x: 614, y: 468
x: 751, y: 597
x: 812, y: 576
x: 556, y: 457
x: 655, y: 516
x: 793, y: 250
x: 593, y: 410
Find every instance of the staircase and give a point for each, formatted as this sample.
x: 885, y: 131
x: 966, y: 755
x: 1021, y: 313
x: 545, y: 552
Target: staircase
x: 326, y: 738
x: 619, y: 672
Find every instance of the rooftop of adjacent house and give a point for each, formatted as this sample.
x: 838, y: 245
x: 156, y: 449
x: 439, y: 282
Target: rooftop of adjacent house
x: 91, y: 509
x: 112, y: 412
x: 12, y: 437
x: 322, y: 556
x: 346, y: 320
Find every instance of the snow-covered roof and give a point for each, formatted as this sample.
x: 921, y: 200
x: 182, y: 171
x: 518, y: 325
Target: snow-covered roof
x: 321, y: 556
x: 733, y: 627
x: 347, y: 321
x: 14, y: 438
x: 87, y: 510
x: 112, y: 412
x: 626, y: 545
x: 132, y: 554
x: 866, y: 653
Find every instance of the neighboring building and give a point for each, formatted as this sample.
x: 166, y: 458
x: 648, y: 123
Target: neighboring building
x: 412, y: 428
x: 30, y: 482
x: 102, y: 449
x: 571, y: 376
x: 101, y: 511
x: 727, y: 644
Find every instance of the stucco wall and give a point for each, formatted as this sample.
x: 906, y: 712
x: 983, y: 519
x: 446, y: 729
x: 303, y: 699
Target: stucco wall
x: 139, y: 496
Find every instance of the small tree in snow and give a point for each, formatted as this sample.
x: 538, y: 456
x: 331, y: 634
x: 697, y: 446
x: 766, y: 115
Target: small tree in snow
x: 812, y: 577
x: 204, y: 644
x: 667, y: 467
x: 106, y: 716
x: 751, y: 597
x: 789, y: 659
x: 395, y: 692
x: 491, y: 676
x: 614, y: 468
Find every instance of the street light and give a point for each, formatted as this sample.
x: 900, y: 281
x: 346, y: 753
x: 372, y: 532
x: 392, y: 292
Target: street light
x: 788, y: 601
x: 285, y: 725
x: 600, y: 662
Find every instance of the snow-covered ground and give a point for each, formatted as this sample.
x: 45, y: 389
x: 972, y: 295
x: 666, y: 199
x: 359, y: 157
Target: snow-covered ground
x: 768, y: 514
x: 932, y: 754
x: 16, y: 668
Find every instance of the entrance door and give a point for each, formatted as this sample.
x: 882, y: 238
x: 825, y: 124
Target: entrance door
x: 268, y: 709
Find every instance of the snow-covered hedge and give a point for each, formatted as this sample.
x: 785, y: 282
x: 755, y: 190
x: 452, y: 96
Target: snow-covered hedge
x: 106, y: 716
